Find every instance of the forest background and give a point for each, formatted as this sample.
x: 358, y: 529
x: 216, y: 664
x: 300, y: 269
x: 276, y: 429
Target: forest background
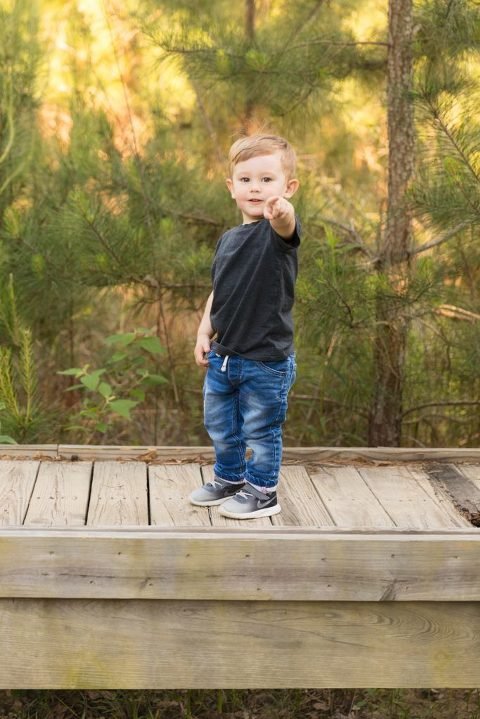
x: 115, y: 121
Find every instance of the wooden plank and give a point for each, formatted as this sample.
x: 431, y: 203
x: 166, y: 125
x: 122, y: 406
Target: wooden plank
x: 301, y: 505
x: 381, y: 454
x: 348, y: 498
x: 456, y: 517
x: 28, y: 451
x: 16, y: 485
x: 219, y: 521
x: 240, y: 565
x: 169, y: 489
x: 119, y: 644
x: 301, y: 454
x: 119, y: 494
x: 450, y: 482
x: 147, y: 453
x: 404, y: 499
x: 472, y: 472
x: 61, y: 495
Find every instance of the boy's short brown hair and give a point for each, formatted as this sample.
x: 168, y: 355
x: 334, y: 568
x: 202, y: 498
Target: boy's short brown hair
x: 255, y: 145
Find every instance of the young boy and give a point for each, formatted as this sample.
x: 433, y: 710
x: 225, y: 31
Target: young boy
x: 251, y: 362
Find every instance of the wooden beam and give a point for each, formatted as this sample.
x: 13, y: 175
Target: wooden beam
x: 240, y: 565
x: 149, y: 644
x: 28, y: 451
x: 165, y: 454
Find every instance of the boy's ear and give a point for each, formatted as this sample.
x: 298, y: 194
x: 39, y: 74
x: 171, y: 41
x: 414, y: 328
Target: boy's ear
x: 292, y: 187
x: 230, y: 186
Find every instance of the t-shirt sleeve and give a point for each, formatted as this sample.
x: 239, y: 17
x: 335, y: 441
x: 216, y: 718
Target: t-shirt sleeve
x: 293, y: 242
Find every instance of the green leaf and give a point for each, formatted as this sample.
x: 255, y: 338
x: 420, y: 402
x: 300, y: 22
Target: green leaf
x: 138, y: 393
x: 74, y: 387
x: 123, y: 407
x: 101, y: 427
x: 73, y: 371
x: 121, y: 339
x: 91, y: 380
x: 118, y: 357
x: 155, y: 379
x: 105, y: 389
x: 151, y: 344
x: 6, y: 439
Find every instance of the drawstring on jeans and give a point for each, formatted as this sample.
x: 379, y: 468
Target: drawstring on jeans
x: 224, y: 365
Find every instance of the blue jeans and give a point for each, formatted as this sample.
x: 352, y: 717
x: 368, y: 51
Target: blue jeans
x: 245, y: 405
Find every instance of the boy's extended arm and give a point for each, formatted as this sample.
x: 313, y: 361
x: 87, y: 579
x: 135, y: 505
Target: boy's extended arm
x: 204, y: 335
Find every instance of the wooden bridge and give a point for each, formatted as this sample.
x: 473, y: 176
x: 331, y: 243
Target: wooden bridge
x: 109, y: 578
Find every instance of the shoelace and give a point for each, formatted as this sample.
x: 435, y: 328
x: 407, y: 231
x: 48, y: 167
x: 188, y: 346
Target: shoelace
x: 244, y: 494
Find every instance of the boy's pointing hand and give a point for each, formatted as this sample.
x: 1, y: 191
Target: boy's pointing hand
x: 278, y: 208
x: 281, y: 215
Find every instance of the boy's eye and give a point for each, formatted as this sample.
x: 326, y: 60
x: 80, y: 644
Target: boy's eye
x: 244, y: 179
x: 266, y: 179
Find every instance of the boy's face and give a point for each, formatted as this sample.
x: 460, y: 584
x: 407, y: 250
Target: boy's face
x: 253, y: 181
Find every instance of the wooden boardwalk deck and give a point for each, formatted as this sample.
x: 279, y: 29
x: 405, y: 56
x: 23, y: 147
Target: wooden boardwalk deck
x: 370, y: 576
x: 52, y: 491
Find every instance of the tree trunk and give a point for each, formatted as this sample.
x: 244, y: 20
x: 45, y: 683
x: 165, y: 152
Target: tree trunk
x: 393, y: 265
x: 250, y: 38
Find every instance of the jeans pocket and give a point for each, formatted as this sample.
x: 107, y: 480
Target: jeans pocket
x: 278, y: 367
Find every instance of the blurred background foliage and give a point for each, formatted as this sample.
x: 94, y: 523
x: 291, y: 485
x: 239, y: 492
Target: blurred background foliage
x: 115, y: 121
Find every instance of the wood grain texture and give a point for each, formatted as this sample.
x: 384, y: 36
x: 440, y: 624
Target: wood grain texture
x: 445, y: 502
x: 60, y: 497
x: 454, y: 485
x: 169, y: 488
x: 472, y: 471
x: 79, y: 644
x: 235, y: 565
x: 119, y: 494
x: 348, y: 498
x: 405, y: 500
x: 17, y: 480
x: 300, y: 502
x: 28, y: 451
x: 311, y: 454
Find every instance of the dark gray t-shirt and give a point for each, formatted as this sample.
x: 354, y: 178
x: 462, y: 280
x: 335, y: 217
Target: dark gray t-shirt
x: 253, y: 276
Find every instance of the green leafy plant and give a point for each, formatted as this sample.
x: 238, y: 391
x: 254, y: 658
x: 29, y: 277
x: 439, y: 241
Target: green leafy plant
x: 129, y: 374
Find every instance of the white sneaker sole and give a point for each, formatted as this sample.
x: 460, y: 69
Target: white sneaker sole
x: 208, y: 502
x: 267, y: 512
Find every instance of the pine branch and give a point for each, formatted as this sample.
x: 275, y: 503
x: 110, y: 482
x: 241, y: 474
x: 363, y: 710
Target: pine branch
x: 302, y: 25
x: 460, y: 403
x: 457, y: 313
x: 450, y: 136
x: 353, y: 237
x: 331, y: 43
x: 439, y: 240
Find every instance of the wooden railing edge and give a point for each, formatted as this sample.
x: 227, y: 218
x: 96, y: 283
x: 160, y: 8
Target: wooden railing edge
x: 173, y: 453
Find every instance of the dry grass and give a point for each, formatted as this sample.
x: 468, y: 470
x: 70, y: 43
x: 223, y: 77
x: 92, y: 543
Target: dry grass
x: 243, y: 704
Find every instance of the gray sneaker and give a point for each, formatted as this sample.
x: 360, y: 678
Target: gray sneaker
x: 249, y: 503
x: 214, y: 492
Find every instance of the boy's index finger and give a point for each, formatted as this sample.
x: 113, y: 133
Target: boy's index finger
x: 269, y: 207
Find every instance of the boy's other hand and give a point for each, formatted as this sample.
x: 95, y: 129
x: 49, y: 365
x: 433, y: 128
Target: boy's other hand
x: 202, y: 348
